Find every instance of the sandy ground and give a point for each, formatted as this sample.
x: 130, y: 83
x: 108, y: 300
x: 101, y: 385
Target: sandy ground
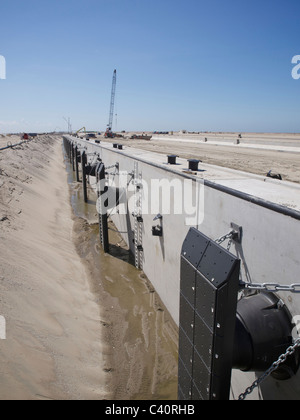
x: 257, y: 161
x: 81, y: 324
x: 53, y: 347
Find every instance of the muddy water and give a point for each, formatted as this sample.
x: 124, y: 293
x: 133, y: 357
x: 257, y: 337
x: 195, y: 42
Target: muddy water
x: 141, y: 338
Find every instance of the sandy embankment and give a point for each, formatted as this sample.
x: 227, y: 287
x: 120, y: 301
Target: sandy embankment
x: 54, y: 341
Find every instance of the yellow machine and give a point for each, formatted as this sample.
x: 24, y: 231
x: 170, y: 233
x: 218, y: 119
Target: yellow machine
x: 78, y: 131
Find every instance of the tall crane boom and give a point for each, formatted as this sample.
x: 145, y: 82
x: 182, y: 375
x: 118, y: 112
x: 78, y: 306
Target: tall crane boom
x: 112, y: 105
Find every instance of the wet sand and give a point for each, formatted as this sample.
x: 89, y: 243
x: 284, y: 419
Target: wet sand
x: 143, y: 339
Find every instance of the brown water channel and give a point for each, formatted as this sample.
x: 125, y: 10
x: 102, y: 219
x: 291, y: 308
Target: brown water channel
x: 140, y: 336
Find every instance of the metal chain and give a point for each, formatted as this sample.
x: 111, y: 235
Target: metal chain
x: 272, y: 287
x: 264, y: 287
x: 224, y: 238
x: 110, y: 167
x: 290, y: 351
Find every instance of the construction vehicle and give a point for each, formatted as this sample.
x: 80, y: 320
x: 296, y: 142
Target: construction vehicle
x: 91, y: 136
x: 140, y: 137
x: 109, y: 133
x: 78, y: 131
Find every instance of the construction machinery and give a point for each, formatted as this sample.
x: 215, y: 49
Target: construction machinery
x: 81, y: 129
x: 109, y: 133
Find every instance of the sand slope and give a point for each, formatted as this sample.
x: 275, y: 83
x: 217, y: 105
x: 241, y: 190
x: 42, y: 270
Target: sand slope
x: 53, y: 348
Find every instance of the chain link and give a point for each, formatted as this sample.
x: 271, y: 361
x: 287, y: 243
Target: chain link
x: 290, y: 351
x: 272, y: 287
x: 264, y: 287
x: 224, y: 238
x: 110, y: 167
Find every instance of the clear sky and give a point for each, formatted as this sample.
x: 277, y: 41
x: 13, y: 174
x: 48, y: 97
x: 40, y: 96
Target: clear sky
x: 199, y: 65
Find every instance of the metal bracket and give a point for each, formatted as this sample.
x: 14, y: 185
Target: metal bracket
x: 237, y: 236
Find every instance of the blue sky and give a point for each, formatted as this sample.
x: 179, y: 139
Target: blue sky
x: 200, y: 65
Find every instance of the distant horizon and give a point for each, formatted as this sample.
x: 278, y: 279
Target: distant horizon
x: 153, y: 132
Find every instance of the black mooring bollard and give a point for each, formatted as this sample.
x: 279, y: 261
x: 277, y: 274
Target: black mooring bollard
x: 172, y: 159
x: 193, y: 164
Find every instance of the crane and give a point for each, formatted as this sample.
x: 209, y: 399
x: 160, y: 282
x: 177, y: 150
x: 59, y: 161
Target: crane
x: 109, y: 132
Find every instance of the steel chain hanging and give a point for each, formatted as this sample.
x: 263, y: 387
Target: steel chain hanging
x: 290, y: 351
